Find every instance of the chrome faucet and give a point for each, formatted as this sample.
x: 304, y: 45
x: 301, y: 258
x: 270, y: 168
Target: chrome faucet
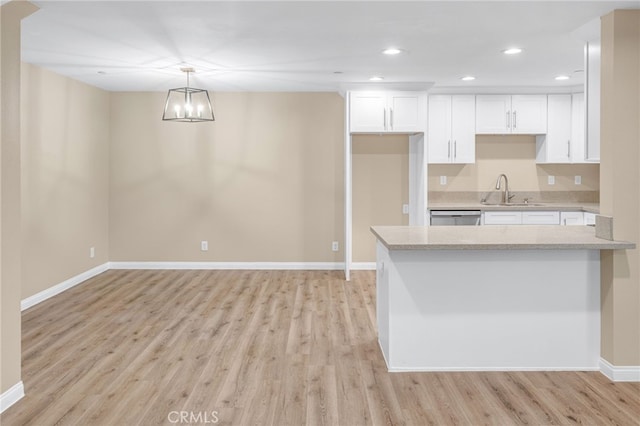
x: 505, y: 193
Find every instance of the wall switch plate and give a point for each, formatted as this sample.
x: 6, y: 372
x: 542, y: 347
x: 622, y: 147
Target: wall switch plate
x: 443, y: 180
x: 578, y: 180
x: 551, y: 180
x: 405, y: 209
x: 92, y: 252
x: 204, y: 245
x: 335, y: 246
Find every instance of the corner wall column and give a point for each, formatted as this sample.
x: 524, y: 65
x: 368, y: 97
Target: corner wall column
x: 10, y: 236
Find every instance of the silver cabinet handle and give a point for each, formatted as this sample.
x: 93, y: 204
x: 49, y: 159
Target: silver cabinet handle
x: 391, y: 117
x: 569, y: 148
x: 455, y: 149
x: 515, y: 119
x: 508, y: 122
x: 384, y: 119
x: 449, y: 149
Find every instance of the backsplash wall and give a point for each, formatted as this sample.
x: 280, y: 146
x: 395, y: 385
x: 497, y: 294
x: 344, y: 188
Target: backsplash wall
x: 516, y: 157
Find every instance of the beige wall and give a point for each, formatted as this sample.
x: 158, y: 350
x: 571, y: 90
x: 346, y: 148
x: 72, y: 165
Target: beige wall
x: 65, y: 165
x: 262, y: 183
x: 10, y: 254
x: 380, y: 180
x: 515, y: 156
x: 620, y: 180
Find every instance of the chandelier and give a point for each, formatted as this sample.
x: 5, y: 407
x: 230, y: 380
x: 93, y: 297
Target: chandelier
x: 188, y: 104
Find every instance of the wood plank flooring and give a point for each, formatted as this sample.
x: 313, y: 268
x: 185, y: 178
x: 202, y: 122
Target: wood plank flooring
x: 264, y: 348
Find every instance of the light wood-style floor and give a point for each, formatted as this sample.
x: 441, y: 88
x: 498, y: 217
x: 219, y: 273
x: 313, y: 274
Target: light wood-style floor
x: 264, y: 348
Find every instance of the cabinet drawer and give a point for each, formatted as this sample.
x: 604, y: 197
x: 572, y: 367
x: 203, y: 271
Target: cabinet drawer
x: 541, y: 218
x: 502, y: 218
x: 571, y: 218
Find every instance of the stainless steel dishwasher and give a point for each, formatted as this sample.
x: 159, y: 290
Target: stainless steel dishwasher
x: 455, y: 217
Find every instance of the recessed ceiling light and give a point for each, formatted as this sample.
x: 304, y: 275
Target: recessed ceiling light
x: 392, y: 51
x: 337, y: 72
x: 102, y: 72
x: 376, y: 78
x: 512, y: 51
x: 468, y: 78
x: 562, y: 77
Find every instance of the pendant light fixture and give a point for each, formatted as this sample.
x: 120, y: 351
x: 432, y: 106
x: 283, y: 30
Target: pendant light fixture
x: 188, y: 104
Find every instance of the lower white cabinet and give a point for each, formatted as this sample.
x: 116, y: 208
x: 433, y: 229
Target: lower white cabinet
x: 589, y: 218
x: 536, y: 218
x: 572, y: 218
x: 502, y: 218
x: 541, y: 218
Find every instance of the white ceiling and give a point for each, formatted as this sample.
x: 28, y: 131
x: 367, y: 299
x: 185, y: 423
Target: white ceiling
x: 300, y: 45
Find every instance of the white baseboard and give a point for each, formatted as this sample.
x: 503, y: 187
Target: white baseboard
x: 12, y: 395
x: 363, y: 266
x: 626, y: 373
x: 59, y: 288
x: 481, y: 369
x: 309, y: 266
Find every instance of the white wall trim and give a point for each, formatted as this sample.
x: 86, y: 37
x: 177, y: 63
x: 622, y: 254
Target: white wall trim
x: 363, y: 266
x: 445, y: 369
x: 620, y: 373
x: 12, y: 395
x: 310, y: 266
x: 65, y: 285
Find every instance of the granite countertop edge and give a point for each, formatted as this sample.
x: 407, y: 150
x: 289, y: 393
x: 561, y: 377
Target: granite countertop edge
x: 584, y: 207
x: 521, y: 237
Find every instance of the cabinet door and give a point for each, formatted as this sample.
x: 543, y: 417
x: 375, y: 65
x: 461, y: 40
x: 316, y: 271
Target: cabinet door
x: 592, y: 100
x: 541, y: 218
x: 529, y: 114
x: 463, y: 124
x: 571, y: 218
x: 502, y: 218
x: 493, y: 114
x: 367, y: 112
x: 406, y: 112
x: 578, y: 142
x: 439, y: 129
x: 558, y: 139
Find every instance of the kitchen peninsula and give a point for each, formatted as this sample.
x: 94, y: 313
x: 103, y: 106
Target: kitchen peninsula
x: 489, y: 297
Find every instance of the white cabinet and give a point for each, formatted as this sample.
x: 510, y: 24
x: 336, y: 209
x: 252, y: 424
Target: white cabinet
x: 589, y: 218
x: 451, y: 129
x: 564, y: 141
x: 502, y: 218
x: 571, y: 218
x: 511, y: 114
x: 541, y: 218
x: 592, y: 89
x: 387, y: 112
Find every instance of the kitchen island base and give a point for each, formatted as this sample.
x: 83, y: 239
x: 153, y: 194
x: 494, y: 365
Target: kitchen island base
x: 458, y: 310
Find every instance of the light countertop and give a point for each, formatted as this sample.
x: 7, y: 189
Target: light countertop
x: 585, y: 207
x: 521, y: 237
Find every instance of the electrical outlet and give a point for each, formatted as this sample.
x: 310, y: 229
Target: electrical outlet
x: 405, y: 209
x: 204, y: 245
x: 577, y: 180
x: 551, y: 180
x: 443, y: 180
x: 335, y: 246
x: 92, y: 252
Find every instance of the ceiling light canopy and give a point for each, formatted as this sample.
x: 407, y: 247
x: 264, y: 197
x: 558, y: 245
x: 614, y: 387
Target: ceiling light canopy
x: 512, y: 51
x: 562, y: 77
x: 468, y: 78
x: 392, y: 51
x: 188, y: 104
x: 376, y: 78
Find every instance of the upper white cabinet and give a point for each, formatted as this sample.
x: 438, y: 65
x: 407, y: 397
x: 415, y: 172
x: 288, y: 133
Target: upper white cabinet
x: 387, y: 112
x: 451, y: 129
x: 511, y: 114
x: 592, y: 89
x: 564, y: 141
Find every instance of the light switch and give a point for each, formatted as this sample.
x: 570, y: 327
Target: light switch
x: 551, y: 180
x: 443, y: 180
x: 578, y: 180
x: 405, y: 209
